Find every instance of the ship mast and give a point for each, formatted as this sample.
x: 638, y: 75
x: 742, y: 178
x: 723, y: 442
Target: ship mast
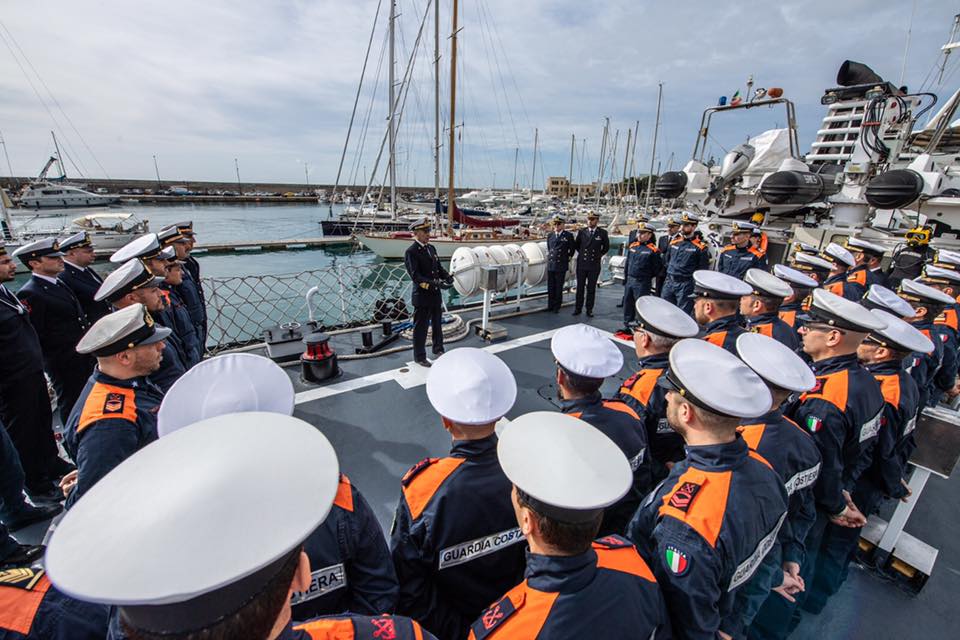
x: 393, y: 111
x: 436, y: 107
x: 451, y: 199
x: 653, y: 152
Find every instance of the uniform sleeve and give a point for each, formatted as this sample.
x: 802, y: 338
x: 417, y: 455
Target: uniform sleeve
x: 689, y: 573
x: 888, y: 465
x: 370, y: 573
x: 102, y: 447
x: 656, y: 262
x: 829, y: 427
x: 751, y: 596
x: 576, y: 243
x: 797, y: 525
x: 947, y: 373
x: 410, y: 262
x: 37, y: 309
x: 704, y: 259
x: 604, y: 243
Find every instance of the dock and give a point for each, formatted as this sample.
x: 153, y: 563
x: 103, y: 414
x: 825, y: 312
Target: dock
x: 299, y: 244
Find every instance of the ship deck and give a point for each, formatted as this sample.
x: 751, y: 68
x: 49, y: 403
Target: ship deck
x: 378, y: 418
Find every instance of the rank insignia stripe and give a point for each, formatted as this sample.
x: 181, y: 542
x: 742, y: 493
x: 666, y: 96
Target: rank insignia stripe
x: 113, y: 403
x: 683, y: 496
x: 492, y: 617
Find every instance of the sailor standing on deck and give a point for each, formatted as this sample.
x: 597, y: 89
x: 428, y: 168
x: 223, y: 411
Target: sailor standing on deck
x: 839, y: 282
x: 455, y: 541
x: 58, y: 318
x: 592, y: 244
x: 716, y: 302
x: 736, y: 258
x: 946, y: 325
x: 663, y: 243
x: 77, y: 274
x: 584, y: 358
x: 761, y: 308
x: 222, y: 553
x: 171, y: 289
x: 116, y: 414
x: 659, y: 326
x: 24, y: 401
x: 429, y: 277
x: 560, y: 248
x: 802, y: 286
x: 933, y: 372
x: 574, y: 586
x: 643, y: 264
x: 351, y: 567
x: 687, y: 253
x: 707, y: 527
x: 132, y: 284
x: 868, y: 257
x: 181, y: 238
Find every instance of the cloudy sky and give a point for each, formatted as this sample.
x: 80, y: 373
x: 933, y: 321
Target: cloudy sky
x: 272, y: 84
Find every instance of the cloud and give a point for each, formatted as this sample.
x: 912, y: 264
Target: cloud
x: 272, y: 84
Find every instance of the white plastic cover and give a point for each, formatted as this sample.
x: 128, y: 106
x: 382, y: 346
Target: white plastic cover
x: 536, y: 253
x: 772, y: 148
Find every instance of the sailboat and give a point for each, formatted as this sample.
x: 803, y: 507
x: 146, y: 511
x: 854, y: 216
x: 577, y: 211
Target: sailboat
x: 462, y: 229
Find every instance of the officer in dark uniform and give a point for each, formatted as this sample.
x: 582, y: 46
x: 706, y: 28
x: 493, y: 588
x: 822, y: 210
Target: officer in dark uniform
x: 838, y: 282
x: 644, y: 261
x: 351, y: 567
x: 193, y: 268
x: 933, y: 372
x: 801, y: 286
x: 188, y: 289
x: 761, y: 308
x: 560, y: 248
x: 715, y: 307
x: 741, y: 255
x: 35, y: 610
x: 793, y: 454
x: 708, y: 526
x: 574, y: 587
x: 58, y: 318
x: 592, y: 244
x: 429, y: 277
x: 946, y: 325
x: 24, y: 402
x: 77, y: 274
x: 843, y: 412
x: 132, y: 284
x: 193, y: 571
x: 115, y: 415
x: 455, y: 541
x: 171, y: 288
x: 687, y: 253
x: 631, y: 238
x: 584, y: 358
x: 660, y: 325
x: 663, y: 243
x: 868, y: 256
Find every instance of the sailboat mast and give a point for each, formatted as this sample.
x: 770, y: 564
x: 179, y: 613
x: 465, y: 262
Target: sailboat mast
x: 653, y: 152
x: 603, y: 151
x: 393, y: 111
x: 436, y: 106
x: 63, y: 170
x: 516, y: 159
x: 573, y: 145
x: 451, y: 198
x: 533, y: 175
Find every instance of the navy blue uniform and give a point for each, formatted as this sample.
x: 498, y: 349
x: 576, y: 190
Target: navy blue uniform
x: 923, y: 367
x: 455, y: 541
x: 877, y: 276
x: 723, y: 332
x: 946, y: 376
x: 735, y: 261
x: 794, y: 456
x: 643, y: 264
x: 663, y: 243
x: 616, y: 420
x: 183, y: 326
x: 356, y: 627
x: 423, y: 266
x: 349, y: 562
x: 189, y: 292
x: 84, y: 283
x: 560, y: 248
x: 841, y: 286
x: 111, y: 421
x: 174, y: 362
x: 33, y: 609
x: 591, y: 246
x: 607, y: 592
x: 706, y: 529
x: 843, y: 412
x: 24, y: 403
x: 642, y: 394
x: 772, y: 326
x: 59, y: 320
x: 683, y: 258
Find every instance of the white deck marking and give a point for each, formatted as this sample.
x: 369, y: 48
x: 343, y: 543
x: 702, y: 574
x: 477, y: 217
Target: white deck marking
x: 413, y: 375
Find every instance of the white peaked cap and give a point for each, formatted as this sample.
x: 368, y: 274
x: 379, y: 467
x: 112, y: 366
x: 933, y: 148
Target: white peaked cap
x: 231, y: 383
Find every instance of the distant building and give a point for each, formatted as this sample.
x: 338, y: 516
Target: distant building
x: 560, y: 187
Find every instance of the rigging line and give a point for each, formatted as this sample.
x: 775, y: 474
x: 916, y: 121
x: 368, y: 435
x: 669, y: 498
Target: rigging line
x: 513, y: 78
x: 43, y: 102
x: 361, y: 143
x: 500, y: 74
x: 54, y: 98
x: 356, y: 100
x: 488, y: 47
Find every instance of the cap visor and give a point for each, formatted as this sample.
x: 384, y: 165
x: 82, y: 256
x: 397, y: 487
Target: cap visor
x: 55, y: 254
x: 160, y: 333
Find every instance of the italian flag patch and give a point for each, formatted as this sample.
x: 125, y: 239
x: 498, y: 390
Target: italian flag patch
x: 814, y: 424
x: 677, y: 560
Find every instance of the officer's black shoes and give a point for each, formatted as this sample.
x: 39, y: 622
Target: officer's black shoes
x: 23, y: 556
x: 589, y: 314
x: 439, y: 353
x: 424, y: 363
x: 576, y: 312
x: 29, y: 514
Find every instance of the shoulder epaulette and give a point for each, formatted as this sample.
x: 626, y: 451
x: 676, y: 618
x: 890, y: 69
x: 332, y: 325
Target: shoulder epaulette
x: 677, y: 240
x: 611, y: 542
x: 634, y: 244
x: 498, y: 613
x: 420, y: 484
x: 699, y: 244
x: 24, y: 590
x: 729, y: 247
x: 699, y: 500
x: 26, y: 578
x: 832, y: 387
x: 756, y: 252
x: 344, y: 497
x: 653, y: 247
x: 108, y: 402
